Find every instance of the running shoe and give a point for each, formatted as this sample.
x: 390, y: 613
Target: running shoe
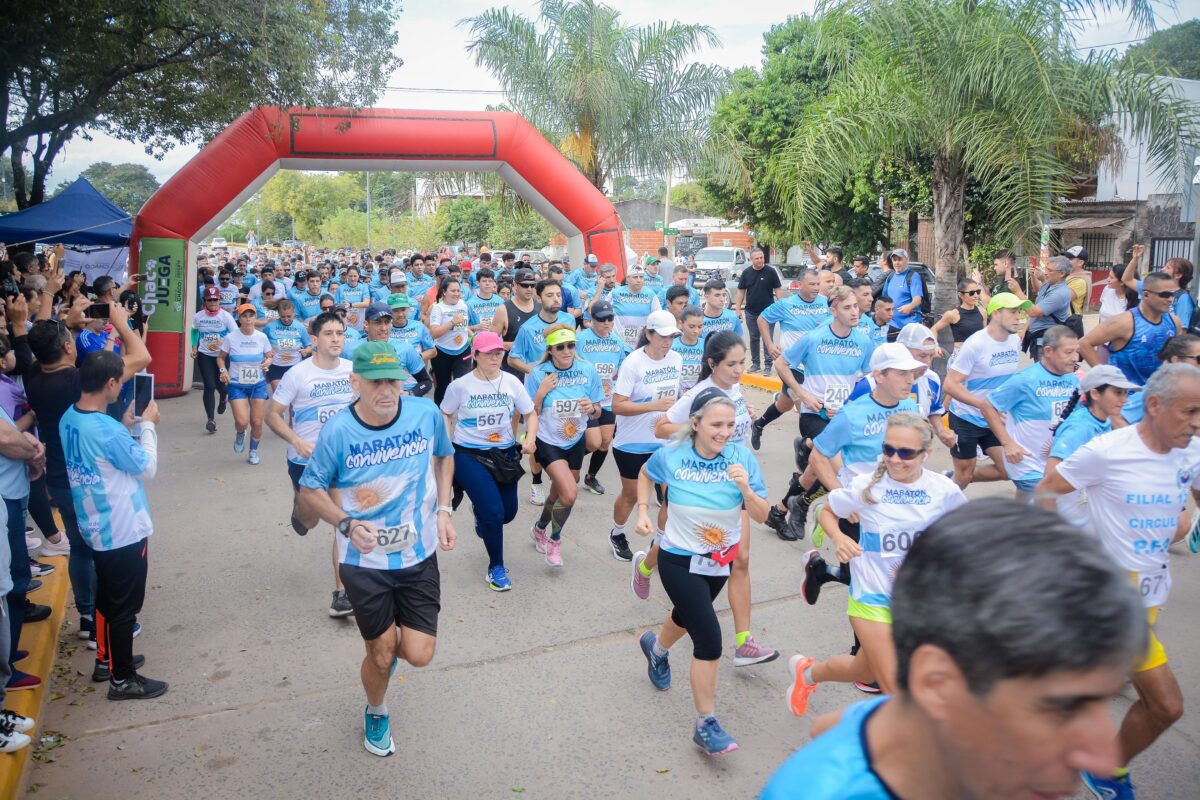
x: 712, y: 738
x: 19, y: 723
x: 800, y: 690
x: 620, y: 547
x: 340, y: 606
x: 1108, y: 788
x: 657, y: 667
x: 61, y: 548
x: 535, y: 495
x: 753, y: 653
x: 378, y: 739
x: 210, y: 426
x: 756, y: 432
x: 1193, y: 538
x: 39, y: 570
x: 136, y: 688
x: 33, y: 544
x: 592, y: 484
x: 554, y: 552
x: 34, y: 585
x: 640, y: 583
x: 298, y: 526
x: 797, y: 517
x: 87, y: 628
x: 777, y: 521
x: 35, y: 612
x: 253, y: 459
x: 539, y: 538
x: 22, y: 680
x: 818, y: 533
x: 814, y: 577
x: 867, y: 688
x: 11, y: 739
x: 221, y: 406
x: 101, y: 672
x: 239, y: 442
x: 497, y: 579
x: 137, y: 630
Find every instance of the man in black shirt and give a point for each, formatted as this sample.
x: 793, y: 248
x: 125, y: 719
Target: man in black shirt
x: 758, y: 287
x: 52, y: 386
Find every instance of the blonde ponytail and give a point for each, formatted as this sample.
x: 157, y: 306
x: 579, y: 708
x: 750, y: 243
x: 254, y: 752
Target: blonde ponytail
x: 880, y: 470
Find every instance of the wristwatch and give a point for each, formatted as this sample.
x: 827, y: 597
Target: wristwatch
x: 343, y: 526
x: 447, y: 509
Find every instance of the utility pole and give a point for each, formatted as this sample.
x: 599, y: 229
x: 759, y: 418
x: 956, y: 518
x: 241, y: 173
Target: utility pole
x: 368, y: 210
x: 667, y: 207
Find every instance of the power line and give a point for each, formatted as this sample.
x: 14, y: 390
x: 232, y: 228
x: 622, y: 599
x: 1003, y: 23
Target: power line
x: 1112, y: 44
x: 442, y: 91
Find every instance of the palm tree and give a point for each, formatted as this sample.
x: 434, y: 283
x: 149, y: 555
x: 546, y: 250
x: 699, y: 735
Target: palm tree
x: 617, y: 99
x: 991, y: 89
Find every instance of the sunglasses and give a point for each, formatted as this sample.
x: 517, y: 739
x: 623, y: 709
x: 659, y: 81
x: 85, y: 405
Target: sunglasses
x: 905, y: 453
x: 1163, y: 295
x: 973, y: 293
x: 558, y: 348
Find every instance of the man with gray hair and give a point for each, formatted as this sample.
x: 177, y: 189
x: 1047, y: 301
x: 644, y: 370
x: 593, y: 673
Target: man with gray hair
x: 1137, y: 480
x: 1053, y: 304
x: 988, y: 704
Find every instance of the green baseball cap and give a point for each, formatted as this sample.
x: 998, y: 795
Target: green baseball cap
x: 378, y: 361
x: 399, y: 300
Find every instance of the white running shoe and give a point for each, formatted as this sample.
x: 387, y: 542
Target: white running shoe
x: 535, y: 495
x: 62, y: 548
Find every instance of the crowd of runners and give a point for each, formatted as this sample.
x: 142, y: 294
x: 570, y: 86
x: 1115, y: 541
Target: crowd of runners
x: 407, y: 385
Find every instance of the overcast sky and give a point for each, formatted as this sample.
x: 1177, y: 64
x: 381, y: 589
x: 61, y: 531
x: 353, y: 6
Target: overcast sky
x: 434, y: 58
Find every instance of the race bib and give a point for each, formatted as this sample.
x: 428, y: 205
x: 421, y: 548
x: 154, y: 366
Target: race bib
x: 605, y: 370
x: 703, y: 565
x: 895, y: 544
x: 836, y: 396
x: 1153, y: 586
x: 630, y: 334
x: 1060, y: 407
x: 210, y: 342
x: 566, y: 408
x: 490, y: 425
x: 289, y: 343
x: 396, y: 538
x: 249, y: 373
x: 664, y: 391
x: 690, y: 373
x: 352, y: 317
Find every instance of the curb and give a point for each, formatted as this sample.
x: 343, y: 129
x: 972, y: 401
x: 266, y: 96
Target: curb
x: 764, y: 382
x: 41, y: 640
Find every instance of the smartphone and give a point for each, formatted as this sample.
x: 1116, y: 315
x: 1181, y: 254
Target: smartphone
x: 97, y: 311
x: 143, y: 392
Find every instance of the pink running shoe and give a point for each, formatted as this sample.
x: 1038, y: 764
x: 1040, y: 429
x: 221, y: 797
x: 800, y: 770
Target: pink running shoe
x: 639, y: 582
x: 800, y: 690
x: 539, y: 538
x: 553, y: 552
x: 753, y: 653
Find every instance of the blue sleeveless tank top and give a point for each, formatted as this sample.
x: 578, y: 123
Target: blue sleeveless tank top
x: 1139, y: 357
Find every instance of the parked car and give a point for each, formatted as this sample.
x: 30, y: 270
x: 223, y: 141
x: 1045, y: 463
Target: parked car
x: 719, y: 263
x: 219, y: 242
x: 293, y: 244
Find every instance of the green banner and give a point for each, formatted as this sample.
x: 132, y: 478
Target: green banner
x: 164, y: 263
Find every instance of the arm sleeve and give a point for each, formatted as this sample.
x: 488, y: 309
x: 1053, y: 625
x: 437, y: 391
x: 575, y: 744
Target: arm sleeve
x: 737, y: 326
x: 773, y: 313
x: 521, y: 346
x: 626, y: 380
x: 532, y: 380
x: 24, y: 356
x: 412, y: 362
x: 596, y: 388
x: 426, y: 339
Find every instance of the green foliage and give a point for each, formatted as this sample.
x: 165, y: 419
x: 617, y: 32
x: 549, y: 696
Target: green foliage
x: 160, y: 71
x: 128, y: 186
x: 1173, y: 51
x: 465, y: 219
x: 526, y: 230
x: 617, y: 99
x: 693, y: 197
x: 347, y: 227
x: 310, y: 198
x: 391, y: 192
x: 628, y: 188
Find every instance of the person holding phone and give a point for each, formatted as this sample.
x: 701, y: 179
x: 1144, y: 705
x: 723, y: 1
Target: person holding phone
x: 247, y: 352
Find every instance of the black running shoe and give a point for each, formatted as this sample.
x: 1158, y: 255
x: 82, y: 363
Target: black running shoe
x: 101, y: 673
x: 210, y: 426
x: 36, y: 612
x: 756, y: 432
x: 340, y: 606
x: 298, y: 526
x: 797, y: 517
x: 221, y: 406
x: 777, y: 521
x: 814, y: 577
x: 592, y: 484
x: 620, y: 547
x: 136, y: 688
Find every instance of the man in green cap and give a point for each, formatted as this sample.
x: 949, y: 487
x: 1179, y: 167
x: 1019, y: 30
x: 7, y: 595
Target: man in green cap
x: 986, y: 360
x: 391, y: 461
x: 409, y: 331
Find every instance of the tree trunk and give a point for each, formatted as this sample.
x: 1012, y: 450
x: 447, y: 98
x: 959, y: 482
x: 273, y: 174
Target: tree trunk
x: 949, y: 186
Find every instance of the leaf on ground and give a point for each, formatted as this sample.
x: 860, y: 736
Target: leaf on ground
x: 518, y: 789
x: 662, y: 771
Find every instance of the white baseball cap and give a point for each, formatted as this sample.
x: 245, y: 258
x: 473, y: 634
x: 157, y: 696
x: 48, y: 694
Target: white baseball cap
x: 914, y: 336
x: 1105, y: 375
x: 662, y: 323
x: 893, y: 355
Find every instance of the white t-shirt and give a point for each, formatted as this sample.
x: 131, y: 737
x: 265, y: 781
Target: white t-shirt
x: 1111, y: 303
x: 453, y: 341
x: 314, y: 396
x: 246, y: 353
x: 678, y: 414
x: 986, y: 364
x: 485, y: 409
x: 1135, y: 497
x: 888, y: 528
x: 644, y: 380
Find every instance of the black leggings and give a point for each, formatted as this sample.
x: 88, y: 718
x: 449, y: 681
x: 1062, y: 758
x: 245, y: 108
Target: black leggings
x: 210, y: 373
x: 445, y: 369
x: 692, y: 596
x: 39, y: 507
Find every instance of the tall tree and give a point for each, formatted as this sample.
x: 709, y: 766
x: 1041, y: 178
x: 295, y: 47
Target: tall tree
x: 617, y: 99
x: 163, y: 71
x: 1172, y: 51
x: 992, y: 88
x: 465, y: 219
x: 128, y: 186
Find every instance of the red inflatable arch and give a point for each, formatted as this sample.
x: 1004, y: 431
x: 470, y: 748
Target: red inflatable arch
x: 234, y: 165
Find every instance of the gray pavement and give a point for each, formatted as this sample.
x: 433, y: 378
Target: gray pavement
x: 540, y: 692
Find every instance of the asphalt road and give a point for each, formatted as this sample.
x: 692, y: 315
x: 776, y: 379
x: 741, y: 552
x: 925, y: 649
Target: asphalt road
x: 539, y: 693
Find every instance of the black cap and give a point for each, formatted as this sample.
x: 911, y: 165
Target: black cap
x: 709, y: 394
x: 441, y: 272
x: 602, y: 311
x: 524, y: 275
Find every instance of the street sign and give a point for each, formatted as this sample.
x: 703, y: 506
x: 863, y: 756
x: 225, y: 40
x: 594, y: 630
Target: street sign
x: 672, y: 231
x: 658, y: 226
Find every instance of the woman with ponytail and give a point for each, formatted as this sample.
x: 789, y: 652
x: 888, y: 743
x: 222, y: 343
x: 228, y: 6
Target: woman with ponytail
x: 894, y: 504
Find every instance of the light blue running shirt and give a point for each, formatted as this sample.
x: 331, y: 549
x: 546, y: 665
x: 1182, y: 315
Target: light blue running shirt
x: 856, y: 433
x: 796, y: 317
x: 530, y: 344
x: 832, y: 364
x: 606, y: 355
x: 484, y: 308
x: 384, y: 476
x: 560, y: 421
x: 1032, y: 399
x: 728, y: 321
x: 414, y: 334
x: 631, y: 311
x: 287, y: 341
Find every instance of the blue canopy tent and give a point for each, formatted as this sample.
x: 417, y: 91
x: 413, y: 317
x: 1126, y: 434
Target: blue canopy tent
x: 78, y: 216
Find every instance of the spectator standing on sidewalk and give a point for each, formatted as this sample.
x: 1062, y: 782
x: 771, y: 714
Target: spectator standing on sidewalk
x: 758, y: 287
x: 17, y: 449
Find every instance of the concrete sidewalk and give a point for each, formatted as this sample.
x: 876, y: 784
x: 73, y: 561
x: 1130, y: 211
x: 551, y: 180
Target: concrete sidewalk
x: 537, y: 693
